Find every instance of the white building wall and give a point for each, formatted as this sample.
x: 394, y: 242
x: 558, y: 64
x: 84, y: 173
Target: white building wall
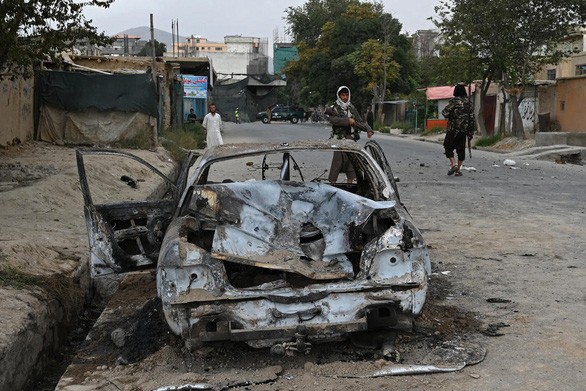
x: 230, y: 63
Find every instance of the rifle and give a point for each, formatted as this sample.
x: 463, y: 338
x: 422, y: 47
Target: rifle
x: 469, y: 147
x: 363, y: 126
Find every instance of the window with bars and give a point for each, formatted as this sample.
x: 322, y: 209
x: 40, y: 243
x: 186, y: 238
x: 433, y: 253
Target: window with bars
x: 551, y: 74
x: 580, y: 69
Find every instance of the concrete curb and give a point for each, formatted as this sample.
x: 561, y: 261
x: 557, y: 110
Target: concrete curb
x: 557, y: 152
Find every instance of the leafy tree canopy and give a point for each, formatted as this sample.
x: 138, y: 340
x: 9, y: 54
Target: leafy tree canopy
x: 31, y: 31
x: 516, y: 37
x: 349, y: 43
x: 512, y: 39
x: 160, y: 49
x: 305, y: 22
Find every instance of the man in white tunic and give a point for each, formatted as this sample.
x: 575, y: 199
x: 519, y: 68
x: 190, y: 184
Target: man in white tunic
x: 213, y: 125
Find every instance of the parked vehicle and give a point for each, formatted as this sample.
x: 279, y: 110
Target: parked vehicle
x: 282, y: 113
x: 257, y: 246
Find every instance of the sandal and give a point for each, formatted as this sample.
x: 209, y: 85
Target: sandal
x: 453, y: 170
x: 458, y: 173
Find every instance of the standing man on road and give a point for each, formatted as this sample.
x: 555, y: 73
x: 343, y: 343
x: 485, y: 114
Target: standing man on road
x: 346, y: 124
x: 213, y: 125
x: 460, y: 116
x: 237, y: 115
x: 370, y: 117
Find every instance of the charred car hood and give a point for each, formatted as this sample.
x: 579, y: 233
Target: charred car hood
x: 301, y: 227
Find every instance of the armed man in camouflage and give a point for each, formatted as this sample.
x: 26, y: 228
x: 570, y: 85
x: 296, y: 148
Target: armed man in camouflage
x: 460, y: 116
x: 346, y: 124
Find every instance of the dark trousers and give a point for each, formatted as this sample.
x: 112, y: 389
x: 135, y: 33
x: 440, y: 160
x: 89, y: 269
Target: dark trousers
x: 455, y: 140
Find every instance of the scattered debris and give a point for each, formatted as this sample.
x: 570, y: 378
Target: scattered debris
x: 455, y: 351
x: 497, y: 300
x: 187, y: 387
x: 390, y: 352
x: 509, y: 162
x: 467, y: 168
x: 131, y: 182
x: 118, y: 336
x: 493, y: 329
x: 396, y: 369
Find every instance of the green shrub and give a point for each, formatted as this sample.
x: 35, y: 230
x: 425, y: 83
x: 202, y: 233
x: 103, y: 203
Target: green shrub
x: 142, y: 140
x: 179, y: 141
x: 487, y: 141
x: 403, y: 125
x: 379, y: 126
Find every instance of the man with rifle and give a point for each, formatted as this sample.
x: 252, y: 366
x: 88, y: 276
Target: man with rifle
x: 460, y: 115
x: 346, y: 124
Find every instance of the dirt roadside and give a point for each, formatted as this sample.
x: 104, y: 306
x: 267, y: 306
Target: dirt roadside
x: 43, y: 243
x: 43, y: 228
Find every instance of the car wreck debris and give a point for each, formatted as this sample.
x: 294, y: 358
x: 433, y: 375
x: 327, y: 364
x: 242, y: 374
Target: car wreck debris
x: 272, y: 258
x: 410, y: 369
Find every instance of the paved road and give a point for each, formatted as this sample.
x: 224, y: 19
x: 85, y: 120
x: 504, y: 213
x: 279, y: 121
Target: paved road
x: 513, y: 233
x: 539, y: 183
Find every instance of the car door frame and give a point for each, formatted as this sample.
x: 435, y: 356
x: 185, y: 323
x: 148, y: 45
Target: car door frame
x: 374, y: 149
x: 126, y: 235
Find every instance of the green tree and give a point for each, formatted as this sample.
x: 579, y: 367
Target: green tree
x: 342, y: 51
x: 457, y: 64
x: 160, y: 49
x: 512, y: 40
x: 31, y: 31
x: 305, y: 22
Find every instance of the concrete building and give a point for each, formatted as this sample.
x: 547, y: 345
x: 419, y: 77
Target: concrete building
x: 236, y: 58
x: 565, y: 106
x: 123, y: 45
x: 196, y: 46
x: 282, y: 54
x: 426, y: 43
x: 245, y: 56
x: 573, y: 66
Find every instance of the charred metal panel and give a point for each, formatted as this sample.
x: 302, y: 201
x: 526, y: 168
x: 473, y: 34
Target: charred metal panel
x: 271, y: 230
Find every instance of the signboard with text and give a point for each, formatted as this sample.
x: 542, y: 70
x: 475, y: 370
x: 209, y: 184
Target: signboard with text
x: 195, y: 86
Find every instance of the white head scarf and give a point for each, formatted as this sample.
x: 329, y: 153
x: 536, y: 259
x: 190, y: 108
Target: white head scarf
x: 342, y: 104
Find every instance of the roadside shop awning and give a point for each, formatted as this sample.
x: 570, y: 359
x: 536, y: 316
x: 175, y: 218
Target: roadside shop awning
x: 444, y: 92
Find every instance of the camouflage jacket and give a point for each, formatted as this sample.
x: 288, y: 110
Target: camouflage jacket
x: 460, y: 115
x: 340, y: 121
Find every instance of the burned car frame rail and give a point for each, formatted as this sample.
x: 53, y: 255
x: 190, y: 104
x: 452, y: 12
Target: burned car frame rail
x: 253, y: 243
x: 262, y: 259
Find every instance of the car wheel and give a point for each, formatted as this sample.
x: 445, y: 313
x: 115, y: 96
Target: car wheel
x: 294, y: 120
x: 265, y: 120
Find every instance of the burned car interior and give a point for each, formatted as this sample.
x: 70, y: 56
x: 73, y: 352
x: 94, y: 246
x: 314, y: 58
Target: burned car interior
x: 260, y: 247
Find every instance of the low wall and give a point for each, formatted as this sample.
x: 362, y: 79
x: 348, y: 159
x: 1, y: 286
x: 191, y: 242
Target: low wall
x: 543, y: 139
x: 16, y: 111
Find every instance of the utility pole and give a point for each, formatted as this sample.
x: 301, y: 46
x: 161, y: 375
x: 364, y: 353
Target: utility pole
x: 154, y: 73
x: 154, y: 76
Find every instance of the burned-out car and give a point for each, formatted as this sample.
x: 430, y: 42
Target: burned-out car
x: 253, y: 243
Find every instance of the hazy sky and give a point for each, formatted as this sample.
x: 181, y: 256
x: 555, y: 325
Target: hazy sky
x: 213, y: 19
